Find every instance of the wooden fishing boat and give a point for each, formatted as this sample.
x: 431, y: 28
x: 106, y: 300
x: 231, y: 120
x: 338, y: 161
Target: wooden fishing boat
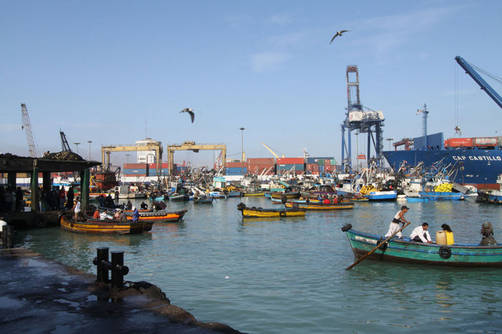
x: 233, y: 193
x: 159, y: 216
x: 268, y: 213
x: 203, y: 200
x: 300, y: 200
x: 179, y: 197
x: 404, y: 250
x: 254, y: 194
x: 290, y: 195
x: 320, y: 206
x: 104, y: 226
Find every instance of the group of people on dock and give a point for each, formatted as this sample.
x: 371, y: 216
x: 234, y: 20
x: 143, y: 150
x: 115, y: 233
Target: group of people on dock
x: 421, y: 233
x: 11, y: 199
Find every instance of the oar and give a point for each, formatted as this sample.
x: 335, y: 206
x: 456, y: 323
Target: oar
x: 361, y: 259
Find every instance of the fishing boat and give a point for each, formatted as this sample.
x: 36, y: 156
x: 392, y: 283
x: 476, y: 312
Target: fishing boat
x: 268, y: 213
x: 253, y: 194
x: 104, y: 226
x: 159, y: 216
x: 179, y: 197
x: 233, y: 193
x: 441, y: 196
x: 404, y: 250
x: 289, y: 195
x: 217, y: 194
x: 388, y: 195
x: 321, y: 206
x: 203, y: 200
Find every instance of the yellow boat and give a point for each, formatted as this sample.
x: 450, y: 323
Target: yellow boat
x: 104, y: 226
x: 290, y: 195
x: 254, y: 194
x: 268, y: 213
x: 310, y: 206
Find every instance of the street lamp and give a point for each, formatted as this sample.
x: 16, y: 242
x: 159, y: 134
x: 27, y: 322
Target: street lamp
x: 76, y: 144
x: 90, y: 142
x: 242, y: 148
x: 357, y: 150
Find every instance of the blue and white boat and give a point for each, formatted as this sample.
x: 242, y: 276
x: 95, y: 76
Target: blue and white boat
x: 387, y: 195
x: 441, y: 196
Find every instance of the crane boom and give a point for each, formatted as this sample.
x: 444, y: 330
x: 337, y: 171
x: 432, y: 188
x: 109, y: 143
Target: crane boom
x: 479, y: 80
x: 27, y: 128
x: 270, y: 150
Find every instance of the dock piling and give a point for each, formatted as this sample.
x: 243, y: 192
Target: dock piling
x: 116, y: 267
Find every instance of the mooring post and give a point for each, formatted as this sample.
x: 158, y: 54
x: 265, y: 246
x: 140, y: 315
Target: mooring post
x: 100, y: 261
x: 7, y: 236
x: 118, y: 269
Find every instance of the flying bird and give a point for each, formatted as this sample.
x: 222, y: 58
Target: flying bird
x: 338, y: 33
x: 190, y: 111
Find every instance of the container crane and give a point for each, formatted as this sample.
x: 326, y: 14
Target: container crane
x: 27, y: 128
x: 271, y: 151
x: 469, y: 69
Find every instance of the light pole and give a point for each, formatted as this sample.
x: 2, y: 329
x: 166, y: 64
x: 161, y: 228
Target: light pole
x: 242, y: 148
x: 357, y: 149
x: 90, y: 142
x: 127, y: 157
x: 76, y: 144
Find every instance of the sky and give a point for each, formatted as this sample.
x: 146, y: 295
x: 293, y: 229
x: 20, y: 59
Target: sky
x: 114, y: 72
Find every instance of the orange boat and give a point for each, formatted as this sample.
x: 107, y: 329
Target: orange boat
x: 104, y: 226
x: 159, y: 216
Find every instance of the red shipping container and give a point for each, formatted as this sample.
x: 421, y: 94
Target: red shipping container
x: 162, y: 164
x: 258, y: 161
x: 235, y: 164
x: 458, y: 142
x: 135, y: 166
x: 290, y: 161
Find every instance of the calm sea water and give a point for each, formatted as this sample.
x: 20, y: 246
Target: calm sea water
x: 288, y: 276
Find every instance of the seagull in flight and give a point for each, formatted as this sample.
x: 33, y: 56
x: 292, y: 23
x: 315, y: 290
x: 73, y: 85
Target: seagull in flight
x: 338, y: 33
x: 190, y: 111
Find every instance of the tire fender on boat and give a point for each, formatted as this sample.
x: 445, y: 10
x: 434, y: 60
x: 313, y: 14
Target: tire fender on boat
x: 346, y: 227
x: 445, y: 252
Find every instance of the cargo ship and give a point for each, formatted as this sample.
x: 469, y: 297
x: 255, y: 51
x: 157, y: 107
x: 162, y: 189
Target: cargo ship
x: 475, y: 161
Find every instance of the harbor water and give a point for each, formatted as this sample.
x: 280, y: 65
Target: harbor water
x: 288, y: 275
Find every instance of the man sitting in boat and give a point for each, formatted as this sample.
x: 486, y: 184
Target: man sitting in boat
x: 421, y: 234
x: 487, y: 233
x: 144, y: 206
x: 398, y: 219
x: 96, y: 214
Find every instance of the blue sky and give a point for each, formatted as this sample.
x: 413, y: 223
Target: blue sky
x: 116, y: 71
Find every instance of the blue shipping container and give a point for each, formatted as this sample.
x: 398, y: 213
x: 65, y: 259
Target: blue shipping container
x: 296, y: 167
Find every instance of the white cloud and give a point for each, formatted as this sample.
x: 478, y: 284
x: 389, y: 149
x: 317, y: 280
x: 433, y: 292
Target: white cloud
x: 264, y: 61
x: 287, y: 40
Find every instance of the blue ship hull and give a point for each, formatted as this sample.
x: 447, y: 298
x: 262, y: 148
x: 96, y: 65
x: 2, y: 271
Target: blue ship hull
x: 473, y: 166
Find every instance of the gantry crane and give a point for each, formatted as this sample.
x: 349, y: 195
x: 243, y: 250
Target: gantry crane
x: 27, y: 128
x: 192, y: 146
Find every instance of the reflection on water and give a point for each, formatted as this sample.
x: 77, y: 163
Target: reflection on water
x: 287, y: 275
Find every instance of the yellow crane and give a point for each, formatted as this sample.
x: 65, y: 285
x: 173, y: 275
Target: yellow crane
x: 271, y: 151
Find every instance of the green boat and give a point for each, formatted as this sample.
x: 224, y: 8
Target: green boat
x: 404, y: 250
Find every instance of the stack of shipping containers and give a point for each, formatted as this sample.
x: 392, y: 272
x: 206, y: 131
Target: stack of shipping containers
x: 320, y: 165
x: 285, y: 165
x: 257, y: 166
x: 236, y: 168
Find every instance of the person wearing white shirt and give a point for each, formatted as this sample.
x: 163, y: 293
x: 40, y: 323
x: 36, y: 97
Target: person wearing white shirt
x: 421, y: 234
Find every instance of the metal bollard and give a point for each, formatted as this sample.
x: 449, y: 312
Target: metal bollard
x: 7, y: 233
x: 102, y: 269
x: 118, y: 269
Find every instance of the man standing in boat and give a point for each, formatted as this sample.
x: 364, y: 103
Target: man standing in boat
x: 398, y: 219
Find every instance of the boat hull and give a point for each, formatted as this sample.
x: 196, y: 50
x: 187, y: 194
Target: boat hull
x: 398, y: 250
x: 160, y: 216
x: 441, y: 196
x: 321, y: 207
x: 382, y: 196
x: 104, y: 227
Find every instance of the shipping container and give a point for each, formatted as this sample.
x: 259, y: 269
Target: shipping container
x: 458, y: 142
x: 135, y: 166
x: 134, y: 175
x: 235, y: 164
x: 485, y: 141
x: 315, y: 160
x: 290, y: 161
x: 259, y: 161
x: 162, y: 165
x: 235, y: 171
x: 295, y: 167
x: 133, y: 171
